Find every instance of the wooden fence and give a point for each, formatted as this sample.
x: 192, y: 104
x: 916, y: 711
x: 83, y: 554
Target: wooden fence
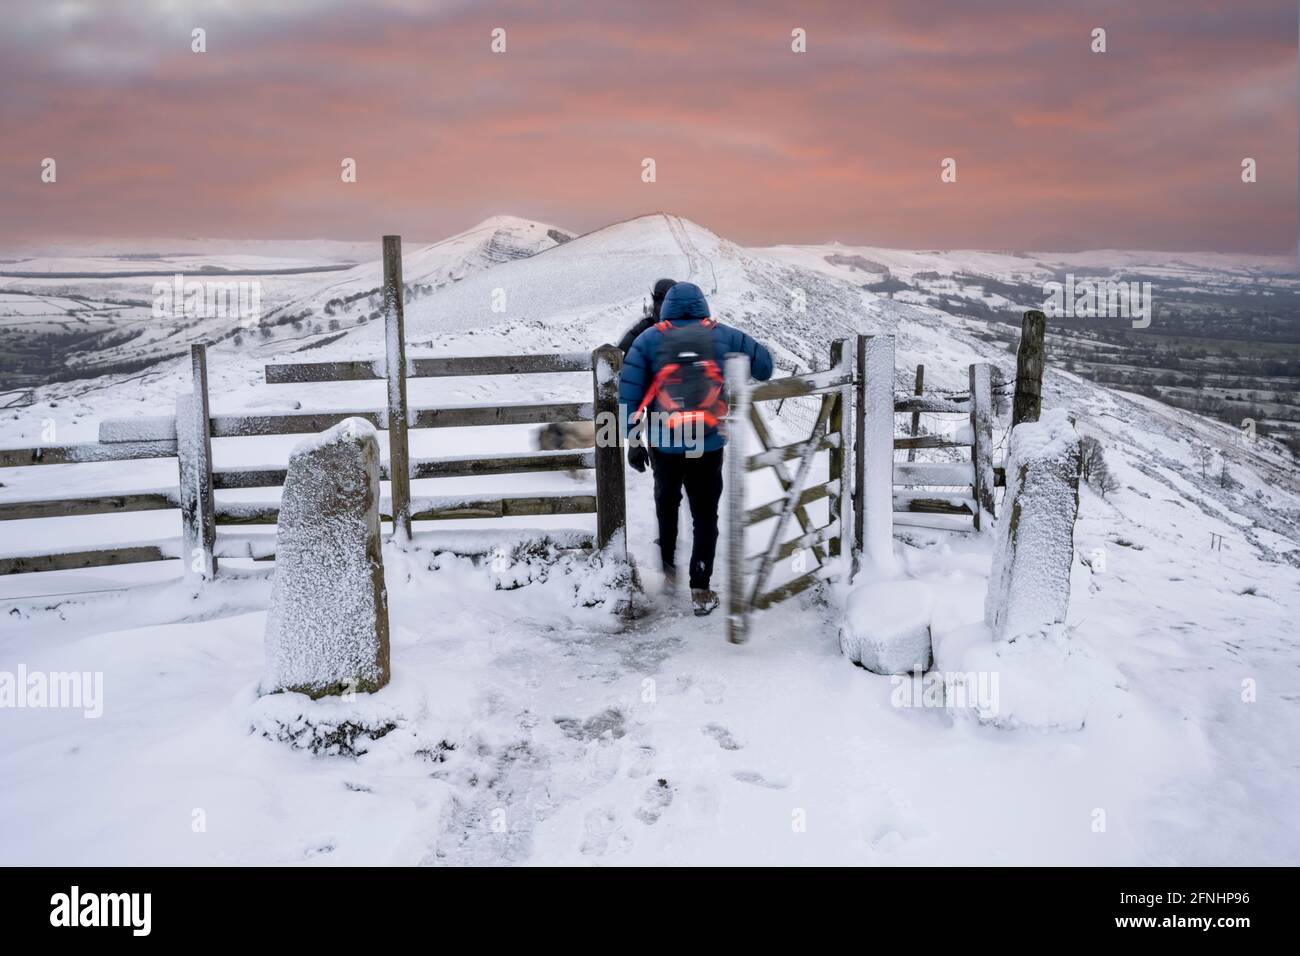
x: 188, y: 436
x: 856, y: 427
x: 974, y: 480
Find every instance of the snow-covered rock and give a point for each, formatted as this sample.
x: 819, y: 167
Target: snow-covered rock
x: 331, y: 726
x: 886, y: 627
x: 327, y: 627
x: 1029, y: 587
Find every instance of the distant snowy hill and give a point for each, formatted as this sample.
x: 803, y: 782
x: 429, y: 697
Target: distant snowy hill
x: 95, y: 312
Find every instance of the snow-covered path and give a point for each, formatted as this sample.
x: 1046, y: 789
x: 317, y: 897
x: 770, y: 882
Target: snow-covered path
x: 537, y: 733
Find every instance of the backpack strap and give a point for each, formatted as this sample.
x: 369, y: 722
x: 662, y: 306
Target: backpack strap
x: 653, y: 390
x: 663, y: 325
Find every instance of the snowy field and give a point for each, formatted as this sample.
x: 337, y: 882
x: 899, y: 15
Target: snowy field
x: 533, y: 731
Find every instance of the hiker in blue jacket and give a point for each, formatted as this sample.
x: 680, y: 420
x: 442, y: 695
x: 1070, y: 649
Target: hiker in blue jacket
x: 671, y: 392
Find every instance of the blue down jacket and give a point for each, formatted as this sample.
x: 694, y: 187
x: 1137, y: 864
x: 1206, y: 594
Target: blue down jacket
x: 684, y: 303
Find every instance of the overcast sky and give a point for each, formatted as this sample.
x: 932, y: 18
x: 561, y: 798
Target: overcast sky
x: 1056, y: 147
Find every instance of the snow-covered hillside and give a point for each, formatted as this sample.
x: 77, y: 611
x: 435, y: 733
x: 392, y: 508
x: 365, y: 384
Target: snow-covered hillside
x: 660, y: 743
x: 97, y: 312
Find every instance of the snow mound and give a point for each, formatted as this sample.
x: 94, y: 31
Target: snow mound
x: 327, y: 627
x: 886, y: 626
x: 1044, y: 682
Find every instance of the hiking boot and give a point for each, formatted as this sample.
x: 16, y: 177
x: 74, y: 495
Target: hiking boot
x: 670, y: 583
x: 703, y: 601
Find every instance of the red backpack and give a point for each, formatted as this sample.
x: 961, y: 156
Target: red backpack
x: 689, y: 383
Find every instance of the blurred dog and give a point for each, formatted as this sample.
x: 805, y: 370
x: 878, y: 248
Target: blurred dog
x: 567, y: 436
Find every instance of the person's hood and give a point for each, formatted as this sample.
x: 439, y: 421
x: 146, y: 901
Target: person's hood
x: 685, y: 302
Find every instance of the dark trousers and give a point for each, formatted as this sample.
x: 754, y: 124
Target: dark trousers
x: 701, y: 477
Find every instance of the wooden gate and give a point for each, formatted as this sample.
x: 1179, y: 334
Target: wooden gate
x: 748, y: 576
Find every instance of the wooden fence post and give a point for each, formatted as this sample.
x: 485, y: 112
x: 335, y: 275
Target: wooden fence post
x: 399, y: 473
x: 919, y: 391
x: 841, y: 462
x: 1029, y: 369
x: 859, y: 436
x: 878, y: 450
x: 611, y: 495
x: 738, y: 389
x: 194, y: 460
x: 981, y: 449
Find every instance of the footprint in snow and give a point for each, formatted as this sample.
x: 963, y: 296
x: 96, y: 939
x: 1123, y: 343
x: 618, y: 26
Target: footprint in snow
x: 758, y: 780
x: 601, y: 833
x: 723, y: 736
x: 610, y: 721
x: 657, y: 798
x: 642, y: 762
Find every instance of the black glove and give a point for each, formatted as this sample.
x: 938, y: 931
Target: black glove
x: 638, y: 456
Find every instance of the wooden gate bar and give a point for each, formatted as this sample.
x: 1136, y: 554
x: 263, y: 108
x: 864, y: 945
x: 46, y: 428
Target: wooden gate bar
x: 738, y: 390
x: 611, y: 496
x: 399, y: 477
x: 918, y: 391
x: 194, y: 449
x: 859, y: 434
x: 981, y: 451
x: 841, y: 461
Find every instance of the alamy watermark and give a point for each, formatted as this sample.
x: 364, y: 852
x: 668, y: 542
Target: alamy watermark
x: 208, y: 299
x: 957, y: 690
x: 75, y: 908
x: 72, y: 690
x: 659, y: 428
x: 1098, y: 298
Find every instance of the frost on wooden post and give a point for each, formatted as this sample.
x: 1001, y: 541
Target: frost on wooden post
x: 886, y: 627
x: 878, y: 457
x: 327, y: 628
x: 1029, y: 587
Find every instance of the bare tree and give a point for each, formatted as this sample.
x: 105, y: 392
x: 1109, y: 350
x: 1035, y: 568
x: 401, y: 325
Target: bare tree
x: 1095, y: 472
x: 1204, y: 457
x: 1225, y: 477
x: 1094, y: 455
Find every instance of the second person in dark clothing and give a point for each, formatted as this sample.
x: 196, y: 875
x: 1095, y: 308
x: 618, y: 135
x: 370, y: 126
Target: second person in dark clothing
x: 656, y: 303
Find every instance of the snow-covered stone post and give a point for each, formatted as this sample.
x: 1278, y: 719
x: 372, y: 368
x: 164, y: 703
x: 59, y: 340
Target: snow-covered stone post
x: 981, y: 447
x: 738, y: 391
x: 878, y: 454
x: 1029, y: 587
x: 611, y: 495
x: 327, y: 628
x: 399, y: 473
x: 194, y: 459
